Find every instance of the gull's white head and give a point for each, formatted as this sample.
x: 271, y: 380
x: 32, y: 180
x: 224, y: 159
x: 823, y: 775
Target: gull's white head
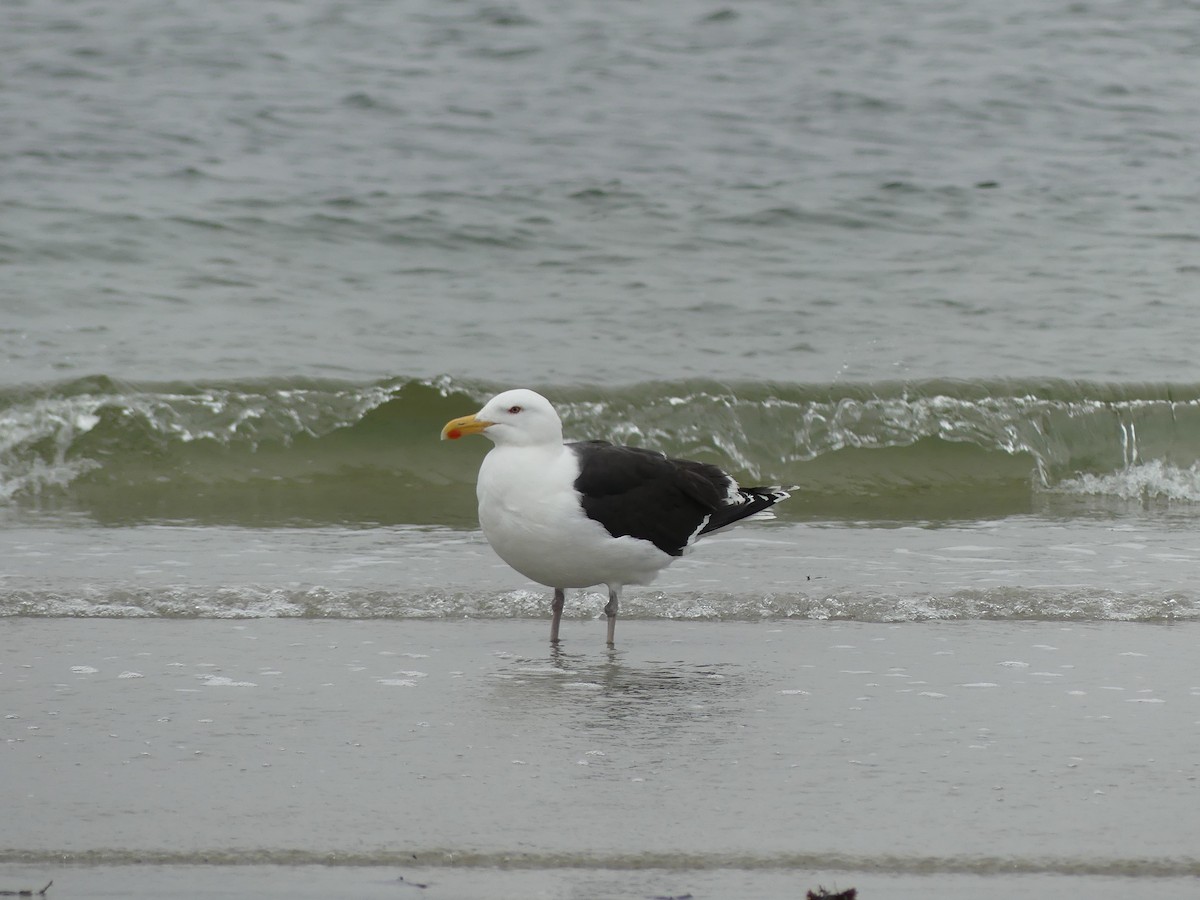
x: 517, y: 418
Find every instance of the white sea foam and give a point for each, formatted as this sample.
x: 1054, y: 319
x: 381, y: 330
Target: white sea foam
x: 1153, y: 480
x: 224, y: 681
x: 250, y: 601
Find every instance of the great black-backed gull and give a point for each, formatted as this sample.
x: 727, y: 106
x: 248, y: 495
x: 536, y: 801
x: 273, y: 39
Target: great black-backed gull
x: 573, y: 515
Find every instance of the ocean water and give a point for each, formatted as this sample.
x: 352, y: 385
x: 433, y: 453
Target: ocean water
x: 934, y: 264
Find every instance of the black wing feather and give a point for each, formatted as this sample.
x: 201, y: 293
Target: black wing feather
x: 643, y: 494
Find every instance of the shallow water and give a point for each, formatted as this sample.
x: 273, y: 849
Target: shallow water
x: 1016, y: 568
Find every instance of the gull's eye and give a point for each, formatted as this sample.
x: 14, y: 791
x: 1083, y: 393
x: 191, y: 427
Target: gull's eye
x: 513, y: 410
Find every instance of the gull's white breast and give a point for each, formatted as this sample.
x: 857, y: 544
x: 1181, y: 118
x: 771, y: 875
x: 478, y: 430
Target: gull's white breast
x: 530, y: 513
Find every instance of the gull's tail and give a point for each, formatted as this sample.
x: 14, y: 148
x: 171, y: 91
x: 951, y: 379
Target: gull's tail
x: 750, y: 502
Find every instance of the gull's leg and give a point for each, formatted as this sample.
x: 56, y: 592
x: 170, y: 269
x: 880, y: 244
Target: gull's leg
x: 556, y: 608
x: 611, y: 611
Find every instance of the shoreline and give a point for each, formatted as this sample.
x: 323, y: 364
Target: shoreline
x: 310, y: 882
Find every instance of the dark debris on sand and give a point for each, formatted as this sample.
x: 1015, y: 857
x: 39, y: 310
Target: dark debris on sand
x: 28, y: 892
x: 821, y: 894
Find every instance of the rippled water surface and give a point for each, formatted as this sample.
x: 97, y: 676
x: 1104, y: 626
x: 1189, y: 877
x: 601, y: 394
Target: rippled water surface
x: 560, y: 192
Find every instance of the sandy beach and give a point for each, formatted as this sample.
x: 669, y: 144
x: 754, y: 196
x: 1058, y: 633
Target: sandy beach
x: 285, y: 758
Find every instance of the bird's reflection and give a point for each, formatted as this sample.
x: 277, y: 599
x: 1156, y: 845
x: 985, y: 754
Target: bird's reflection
x: 594, y: 688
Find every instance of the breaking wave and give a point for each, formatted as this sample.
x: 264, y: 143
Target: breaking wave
x: 311, y: 452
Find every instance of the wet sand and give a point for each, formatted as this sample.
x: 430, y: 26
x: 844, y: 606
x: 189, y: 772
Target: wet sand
x: 203, y: 758
x: 252, y: 882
